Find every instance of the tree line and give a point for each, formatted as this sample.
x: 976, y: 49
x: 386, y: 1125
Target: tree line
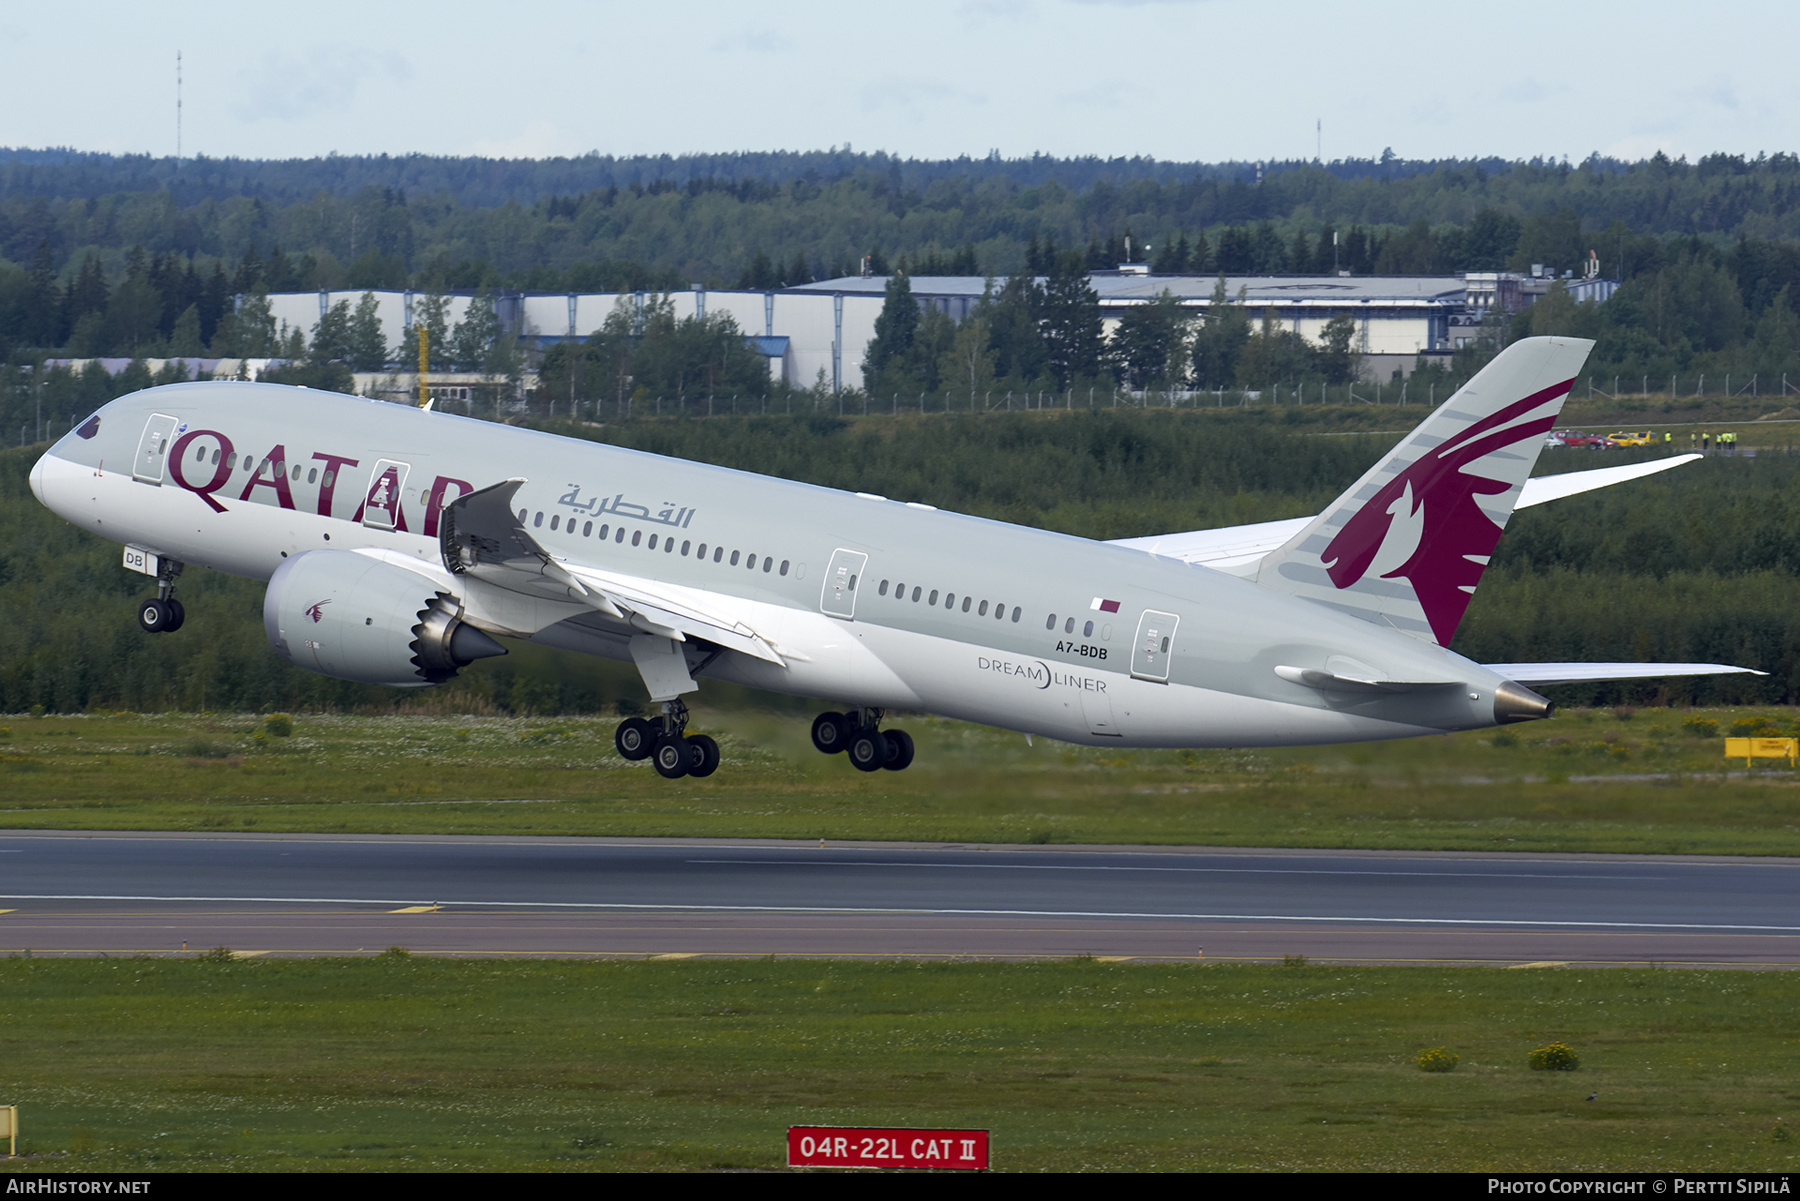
x: 474, y: 223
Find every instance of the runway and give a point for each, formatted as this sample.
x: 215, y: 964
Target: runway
x: 78, y: 893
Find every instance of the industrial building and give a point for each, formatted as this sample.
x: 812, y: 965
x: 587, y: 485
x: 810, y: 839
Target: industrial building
x: 820, y: 330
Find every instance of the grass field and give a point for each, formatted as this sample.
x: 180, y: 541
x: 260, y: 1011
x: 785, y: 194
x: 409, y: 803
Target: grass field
x: 406, y: 1063
x: 401, y: 1063
x: 1583, y: 781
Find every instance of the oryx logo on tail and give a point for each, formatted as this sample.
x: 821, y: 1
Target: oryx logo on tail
x: 1426, y: 525
x: 1405, y: 546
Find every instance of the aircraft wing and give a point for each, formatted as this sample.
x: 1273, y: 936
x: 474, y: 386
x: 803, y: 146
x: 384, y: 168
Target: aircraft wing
x: 674, y: 612
x: 480, y: 536
x: 1590, y: 673
x: 1238, y: 548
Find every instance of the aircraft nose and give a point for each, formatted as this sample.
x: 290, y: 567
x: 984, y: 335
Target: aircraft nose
x: 37, y: 480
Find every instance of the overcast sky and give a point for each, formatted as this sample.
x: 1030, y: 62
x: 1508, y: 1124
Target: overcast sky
x: 1176, y: 79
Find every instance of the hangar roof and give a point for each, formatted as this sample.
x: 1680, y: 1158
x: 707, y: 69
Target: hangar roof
x: 1124, y: 288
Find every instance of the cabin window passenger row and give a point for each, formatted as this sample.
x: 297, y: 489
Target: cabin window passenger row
x: 968, y: 602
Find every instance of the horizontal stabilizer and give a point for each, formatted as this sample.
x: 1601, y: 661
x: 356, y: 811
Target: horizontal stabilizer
x: 1239, y: 548
x: 1590, y: 673
x: 1330, y: 681
x: 1545, y: 488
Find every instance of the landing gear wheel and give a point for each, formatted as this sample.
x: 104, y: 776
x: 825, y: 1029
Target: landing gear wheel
x: 156, y: 616
x: 180, y: 613
x: 703, y: 755
x: 900, y: 750
x: 830, y: 732
x: 633, y: 739
x: 670, y: 756
x: 868, y: 749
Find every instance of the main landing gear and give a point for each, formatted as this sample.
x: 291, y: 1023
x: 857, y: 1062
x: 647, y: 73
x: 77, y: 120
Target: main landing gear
x: 665, y: 742
x: 162, y: 613
x: 859, y: 736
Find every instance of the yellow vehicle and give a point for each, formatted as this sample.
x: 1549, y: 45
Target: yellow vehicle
x: 1646, y: 438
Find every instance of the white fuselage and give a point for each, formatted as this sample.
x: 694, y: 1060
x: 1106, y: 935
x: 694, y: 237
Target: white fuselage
x: 921, y: 631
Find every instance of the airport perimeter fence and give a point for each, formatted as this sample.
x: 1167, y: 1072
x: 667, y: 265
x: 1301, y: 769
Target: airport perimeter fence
x: 26, y: 406
x: 855, y: 403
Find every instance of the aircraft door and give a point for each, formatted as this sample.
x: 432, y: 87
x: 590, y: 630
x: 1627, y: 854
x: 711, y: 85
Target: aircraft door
x: 838, y: 597
x: 153, y: 449
x: 387, y: 489
x: 1154, y: 649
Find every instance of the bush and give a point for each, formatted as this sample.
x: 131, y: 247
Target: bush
x: 1557, y: 1057
x: 1752, y: 727
x: 278, y: 725
x: 1438, y: 1059
x: 1700, y: 727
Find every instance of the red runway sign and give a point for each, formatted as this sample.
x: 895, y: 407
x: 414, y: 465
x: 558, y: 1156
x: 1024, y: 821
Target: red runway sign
x: 880, y: 1147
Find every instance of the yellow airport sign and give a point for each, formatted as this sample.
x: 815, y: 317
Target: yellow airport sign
x: 1763, y: 748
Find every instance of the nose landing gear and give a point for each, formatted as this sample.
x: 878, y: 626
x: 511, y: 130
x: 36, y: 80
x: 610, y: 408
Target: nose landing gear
x: 665, y: 742
x: 162, y: 613
x: 859, y: 736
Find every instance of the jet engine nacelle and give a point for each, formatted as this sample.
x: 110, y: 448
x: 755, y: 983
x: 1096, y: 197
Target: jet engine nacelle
x: 358, y: 618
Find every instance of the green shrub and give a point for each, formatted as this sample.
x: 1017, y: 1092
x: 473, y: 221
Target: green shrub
x: 1557, y: 1057
x: 1752, y: 727
x: 1700, y: 727
x: 1438, y: 1059
x: 278, y: 725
